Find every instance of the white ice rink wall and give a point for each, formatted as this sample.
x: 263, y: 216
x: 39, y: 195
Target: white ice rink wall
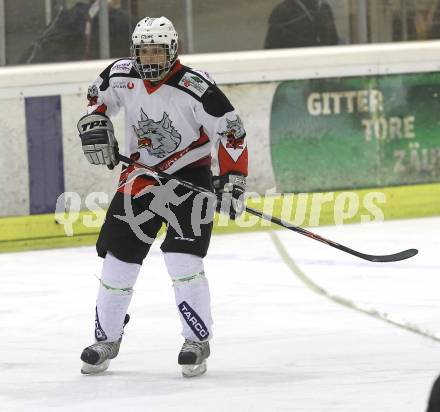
x: 40, y: 154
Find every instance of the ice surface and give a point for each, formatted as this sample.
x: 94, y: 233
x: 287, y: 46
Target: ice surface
x: 277, y: 346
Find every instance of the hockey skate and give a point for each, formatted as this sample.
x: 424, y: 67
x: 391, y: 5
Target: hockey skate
x: 193, y: 357
x: 96, y: 358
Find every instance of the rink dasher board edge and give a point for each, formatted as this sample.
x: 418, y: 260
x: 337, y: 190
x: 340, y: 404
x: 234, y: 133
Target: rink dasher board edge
x: 19, y: 233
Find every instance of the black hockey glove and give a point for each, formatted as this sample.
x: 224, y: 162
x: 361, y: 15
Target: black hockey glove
x: 98, y: 139
x: 230, y: 191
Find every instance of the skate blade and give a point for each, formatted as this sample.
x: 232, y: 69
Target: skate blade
x: 190, y: 371
x: 88, y: 369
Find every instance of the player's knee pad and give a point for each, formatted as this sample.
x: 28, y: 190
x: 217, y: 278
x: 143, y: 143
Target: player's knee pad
x: 118, y: 276
x: 183, y: 267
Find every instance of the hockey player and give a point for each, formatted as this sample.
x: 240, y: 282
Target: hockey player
x: 174, y: 116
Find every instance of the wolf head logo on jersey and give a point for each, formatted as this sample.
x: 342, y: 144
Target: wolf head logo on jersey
x: 159, y: 138
x: 234, y: 133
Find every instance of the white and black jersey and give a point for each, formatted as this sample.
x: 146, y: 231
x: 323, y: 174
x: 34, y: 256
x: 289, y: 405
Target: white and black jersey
x: 172, y: 124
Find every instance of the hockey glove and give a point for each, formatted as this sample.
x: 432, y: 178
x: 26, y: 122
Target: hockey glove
x: 98, y: 139
x: 230, y: 191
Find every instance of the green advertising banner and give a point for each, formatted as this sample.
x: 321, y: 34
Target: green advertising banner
x: 359, y: 132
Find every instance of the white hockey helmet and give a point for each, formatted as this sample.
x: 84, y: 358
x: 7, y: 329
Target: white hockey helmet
x: 154, y: 31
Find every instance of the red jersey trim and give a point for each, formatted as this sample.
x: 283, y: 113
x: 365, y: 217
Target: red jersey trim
x: 101, y: 109
x: 167, y: 163
x: 151, y: 88
x: 227, y: 163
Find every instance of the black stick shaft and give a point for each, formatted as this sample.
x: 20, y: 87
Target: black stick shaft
x: 372, y: 258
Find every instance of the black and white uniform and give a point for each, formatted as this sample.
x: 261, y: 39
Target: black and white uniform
x: 172, y: 126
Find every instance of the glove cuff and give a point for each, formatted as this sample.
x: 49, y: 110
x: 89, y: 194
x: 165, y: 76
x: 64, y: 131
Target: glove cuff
x: 226, y: 182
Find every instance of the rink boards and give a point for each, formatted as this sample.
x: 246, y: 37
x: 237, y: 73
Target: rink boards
x: 311, y: 210
x: 292, y: 103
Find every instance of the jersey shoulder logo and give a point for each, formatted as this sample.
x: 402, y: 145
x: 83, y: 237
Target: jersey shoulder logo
x: 159, y: 138
x: 234, y: 133
x: 122, y: 66
x: 204, y: 75
x: 194, y: 84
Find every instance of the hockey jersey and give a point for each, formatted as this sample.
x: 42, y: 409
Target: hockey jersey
x: 172, y: 124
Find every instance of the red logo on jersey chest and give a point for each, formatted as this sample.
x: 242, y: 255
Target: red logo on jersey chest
x: 130, y: 85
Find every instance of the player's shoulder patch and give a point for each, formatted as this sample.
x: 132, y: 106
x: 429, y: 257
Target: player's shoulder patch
x: 194, y: 82
x: 197, y: 85
x: 205, y: 75
x: 122, y: 66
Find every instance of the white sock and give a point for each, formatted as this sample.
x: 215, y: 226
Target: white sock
x: 114, y: 296
x: 191, y: 290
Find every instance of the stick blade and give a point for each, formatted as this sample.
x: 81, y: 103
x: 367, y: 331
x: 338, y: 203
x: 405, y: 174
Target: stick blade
x: 405, y: 254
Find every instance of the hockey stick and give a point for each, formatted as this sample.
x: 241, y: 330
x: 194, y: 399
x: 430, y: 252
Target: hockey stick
x: 406, y: 254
